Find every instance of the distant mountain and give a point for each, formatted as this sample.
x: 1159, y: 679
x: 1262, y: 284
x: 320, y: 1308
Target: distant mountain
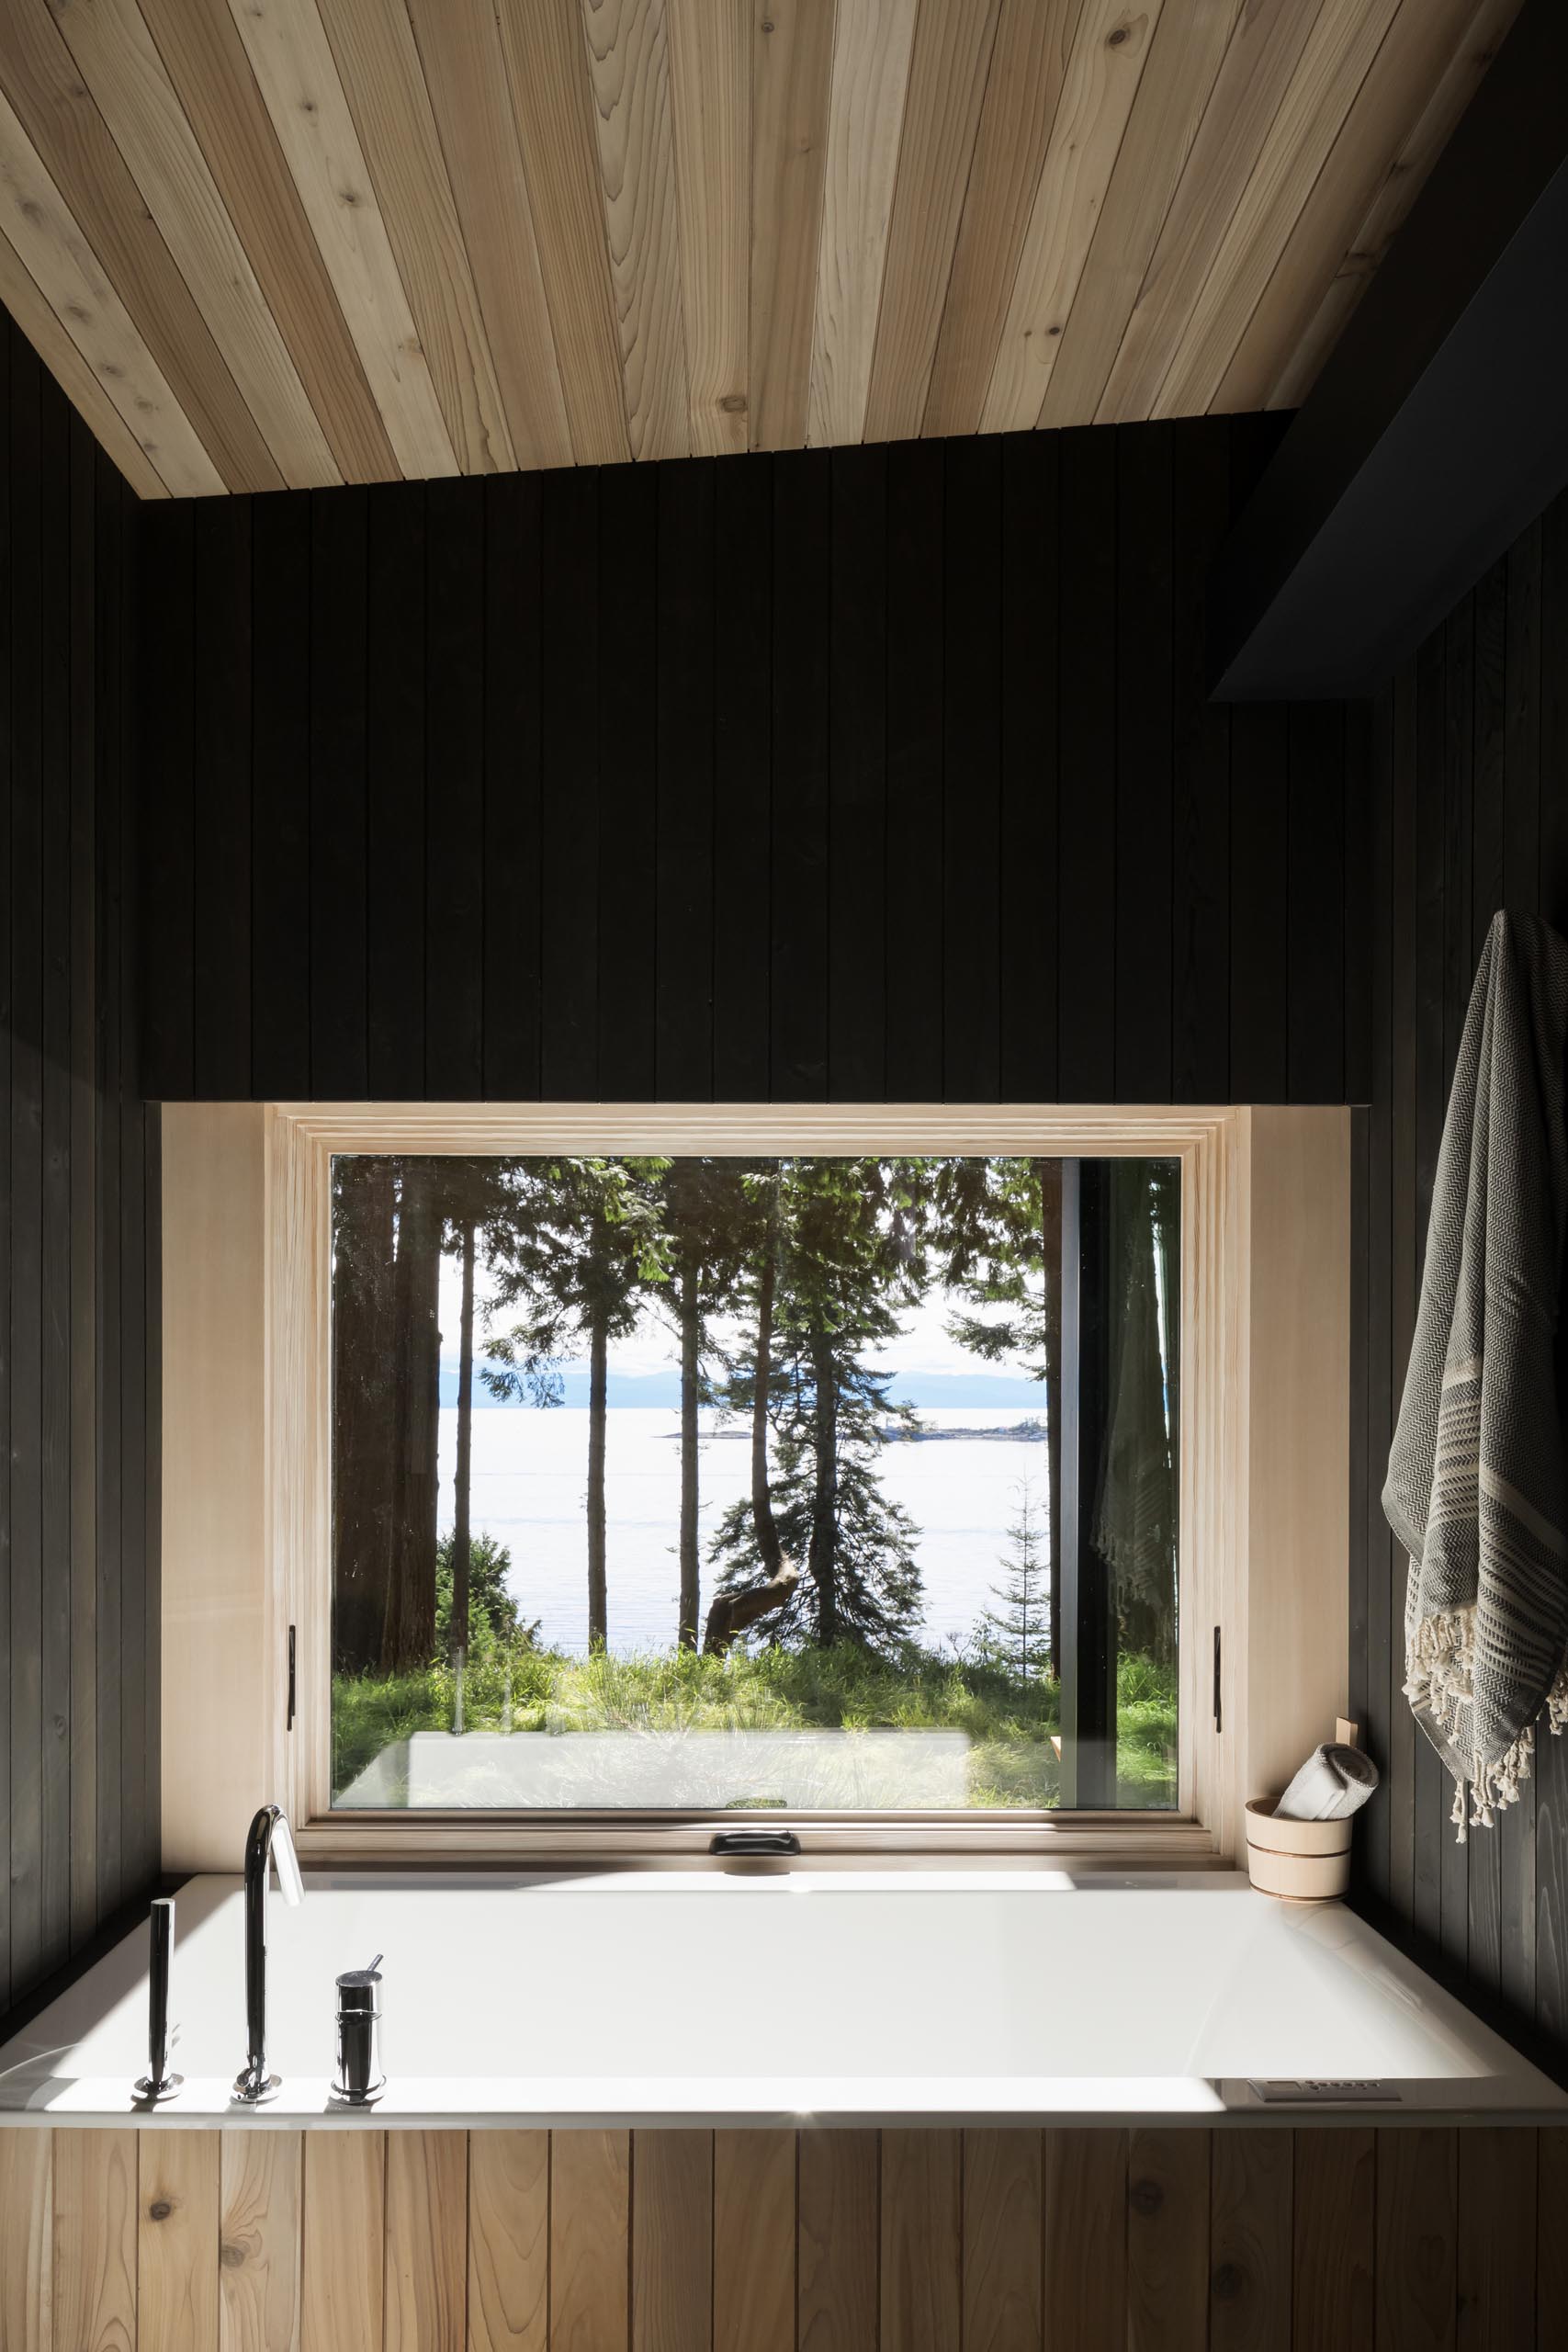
x: 662, y: 1390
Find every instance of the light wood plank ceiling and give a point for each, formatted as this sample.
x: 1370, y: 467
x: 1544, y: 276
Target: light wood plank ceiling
x: 269, y: 242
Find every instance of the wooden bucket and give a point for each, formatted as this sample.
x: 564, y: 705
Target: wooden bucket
x: 1301, y: 1861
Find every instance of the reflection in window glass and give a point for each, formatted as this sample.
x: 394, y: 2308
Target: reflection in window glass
x: 811, y: 1483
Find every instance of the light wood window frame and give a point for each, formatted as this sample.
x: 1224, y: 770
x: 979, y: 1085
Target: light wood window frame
x: 1264, y: 1472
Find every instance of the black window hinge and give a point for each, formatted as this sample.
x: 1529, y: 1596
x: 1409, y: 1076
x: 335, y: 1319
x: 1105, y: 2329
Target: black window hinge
x: 1219, y: 1725
x: 290, y: 1725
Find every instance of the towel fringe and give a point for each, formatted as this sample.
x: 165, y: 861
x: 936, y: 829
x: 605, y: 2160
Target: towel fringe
x: 1439, y: 1665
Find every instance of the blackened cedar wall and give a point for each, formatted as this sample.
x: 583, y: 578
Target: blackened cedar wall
x: 876, y: 774
x: 79, y: 1278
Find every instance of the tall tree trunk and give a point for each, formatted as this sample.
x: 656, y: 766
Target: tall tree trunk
x: 461, y: 1542
x: 691, y: 1589
x: 598, y: 1388
x: 821, y: 1562
x: 1049, y: 1172
x: 363, y: 1320
x: 408, y: 1638
x: 769, y: 1550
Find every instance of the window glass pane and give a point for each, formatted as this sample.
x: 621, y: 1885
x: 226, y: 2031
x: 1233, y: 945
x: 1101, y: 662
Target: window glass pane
x: 705, y: 1484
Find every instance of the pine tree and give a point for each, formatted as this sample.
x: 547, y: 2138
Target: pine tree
x: 1019, y: 1635
x: 846, y: 1262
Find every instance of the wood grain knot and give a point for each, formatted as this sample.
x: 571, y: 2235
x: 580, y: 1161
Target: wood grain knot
x: 1228, y: 2282
x: 159, y: 2210
x: 231, y: 2254
x: 1145, y: 2197
x: 1115, y: 39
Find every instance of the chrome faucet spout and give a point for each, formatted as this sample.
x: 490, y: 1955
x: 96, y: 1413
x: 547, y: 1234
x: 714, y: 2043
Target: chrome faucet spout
x: 270, y: 1839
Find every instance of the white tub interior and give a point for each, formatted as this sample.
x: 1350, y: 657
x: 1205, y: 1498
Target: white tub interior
x: 798, y: 1992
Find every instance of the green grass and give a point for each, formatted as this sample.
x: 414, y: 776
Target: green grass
x: 1009, y: 1723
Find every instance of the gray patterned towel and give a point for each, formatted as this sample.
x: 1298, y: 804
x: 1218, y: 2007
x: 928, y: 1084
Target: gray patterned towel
x: 1476, y: 1491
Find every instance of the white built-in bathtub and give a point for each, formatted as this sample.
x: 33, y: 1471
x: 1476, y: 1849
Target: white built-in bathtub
x: 940, y: 1997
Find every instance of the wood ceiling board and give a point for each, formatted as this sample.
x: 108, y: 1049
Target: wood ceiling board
x: 292, y: 61
x: 460, y: 47
x: 206, y: 61
x: 1023, y: 88
x: 1344, y: 39
x: 50, y: 248
x: 1401, y: 183
x: 628, y: 68
x: 792, y: 55
x: 1263, y: 53
x: 1410, y: 60
x: 547, y: 66
x: 954, y: 41
x: 710, y: 93
x: 118, y: 60
x: 871, y: 49
x: 71, y: 372
x: 1185, y: 56
x: 54, y: 105
x: 1109, y: 55
x: 379, y: 64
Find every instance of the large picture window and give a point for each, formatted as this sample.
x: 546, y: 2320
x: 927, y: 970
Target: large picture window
x: 799, y: 1484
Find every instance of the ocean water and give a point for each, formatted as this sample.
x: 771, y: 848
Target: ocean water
x: 530, y: 1471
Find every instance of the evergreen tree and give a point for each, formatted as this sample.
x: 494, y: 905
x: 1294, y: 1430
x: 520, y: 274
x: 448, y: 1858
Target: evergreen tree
x: 847, y: 1260
x: 1019, y: 1635
x: 577, y: 1272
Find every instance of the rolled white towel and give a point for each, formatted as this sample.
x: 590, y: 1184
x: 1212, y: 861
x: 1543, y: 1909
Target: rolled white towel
x: 1333, y: 1781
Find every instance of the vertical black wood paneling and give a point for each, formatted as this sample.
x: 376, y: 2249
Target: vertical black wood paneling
x: 395, y: 753
x: 1030, y: 694
x: 1200, y: 747
x: 743, y: 701
x: 340, y: 1061
x: 857, y: 786
x: 78, y: 1784
x: 512, y: 978
x: 27, y: 788
x: 915, y: 947
x: 1145, y: 746
x: 454, y: 771
x: 1259, y: 1051
x: 54, y: 1254
x: 630, y: 803
x: 569, y: 832
x: 1377, y: 1339
x: 220, y: 761
x: 970, y: 768
x: 1402, y: 1735
x: 798, y: 913
x: 1315, y: 921
x: 280, y: 784
x: 680, y: 793
x: 1086, y: 825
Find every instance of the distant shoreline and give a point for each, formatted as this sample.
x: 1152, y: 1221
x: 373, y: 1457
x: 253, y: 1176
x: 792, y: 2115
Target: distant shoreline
x: 1026, y: 1432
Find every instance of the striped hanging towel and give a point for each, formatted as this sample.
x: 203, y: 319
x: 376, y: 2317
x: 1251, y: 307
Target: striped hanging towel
x: 1477, y: 1491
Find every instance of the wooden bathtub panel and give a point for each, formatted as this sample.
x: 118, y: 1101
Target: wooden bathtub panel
x: 672, y: 2241
x: 1417, y: 2233
x: 1168, y: 2241
x: 427, y: 2269
x: 176, y: 2240
x: 509, y: 2241
x: 838, y: 2258
x: 1003, y: 2252
x: 1335, y: 2223
x: 590, y: 2231
x: 258, y: 2241
x: 94, y: 2240
x: 1357, y: 2239
x: 753, y: 2241
x: 343, y: 2268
